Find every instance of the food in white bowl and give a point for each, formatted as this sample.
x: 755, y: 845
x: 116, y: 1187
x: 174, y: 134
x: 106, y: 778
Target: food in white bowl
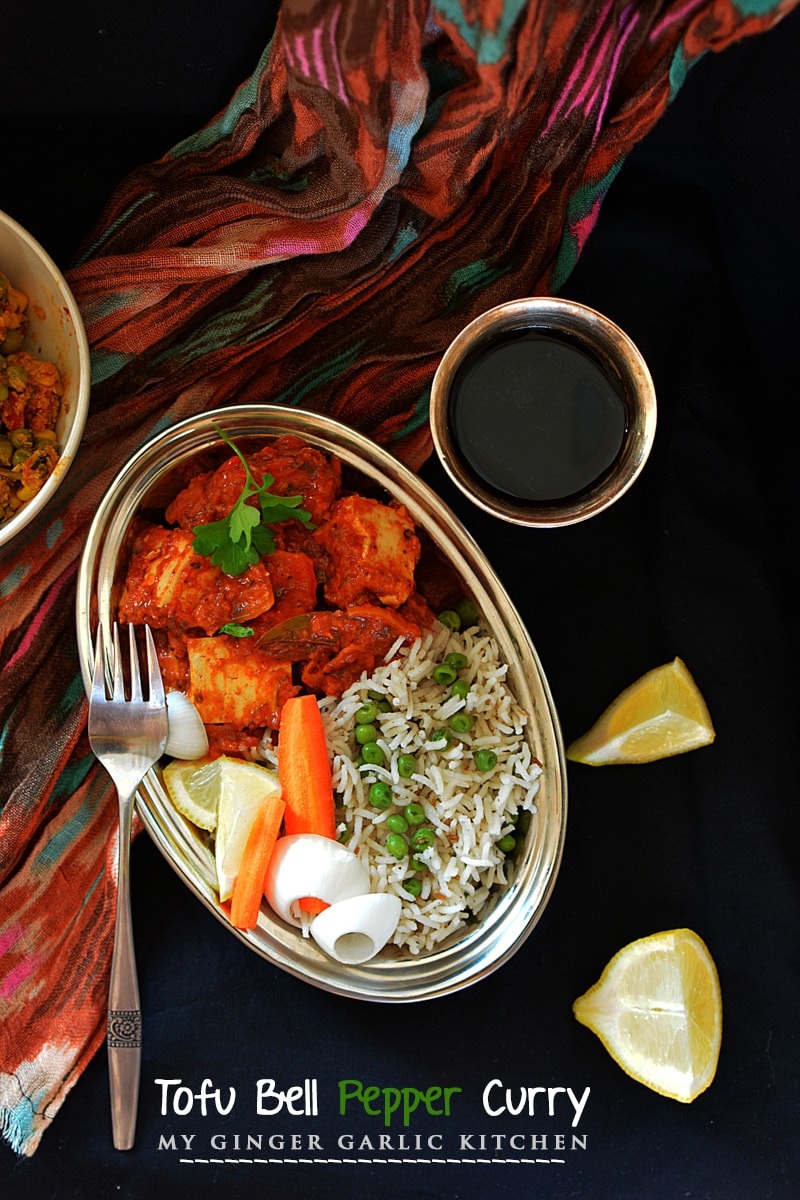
x: 31, y: 391
x: 467, y: 841
x: 44, y: 378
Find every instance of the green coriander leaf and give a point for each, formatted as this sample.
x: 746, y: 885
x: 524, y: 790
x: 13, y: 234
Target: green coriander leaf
x: 235, y: 558
x: 242, y: 538
x: 243, y: 519
x: 207, y: 538
x: 280, y: 508
x: 237, y: 631
x: 263, y: 541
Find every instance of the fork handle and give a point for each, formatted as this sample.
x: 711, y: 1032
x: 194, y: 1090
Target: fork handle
x: 124, y: 1029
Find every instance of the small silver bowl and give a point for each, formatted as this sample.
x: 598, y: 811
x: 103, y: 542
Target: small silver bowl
x: 543, y: 412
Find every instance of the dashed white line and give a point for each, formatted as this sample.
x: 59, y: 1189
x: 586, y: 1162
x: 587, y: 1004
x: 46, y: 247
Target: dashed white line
x: 467, y: 1162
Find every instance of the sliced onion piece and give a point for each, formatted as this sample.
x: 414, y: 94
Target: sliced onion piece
x: 306, y: 864
x: 186, y: 733
x: 353, y: 931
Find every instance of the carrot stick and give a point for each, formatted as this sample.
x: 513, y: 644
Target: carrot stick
x: 248, y: 887
x: 304, y: 770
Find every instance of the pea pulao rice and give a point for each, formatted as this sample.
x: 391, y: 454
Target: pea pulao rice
x: 469, y: 810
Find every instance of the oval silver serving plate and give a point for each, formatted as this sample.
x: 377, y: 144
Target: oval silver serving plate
x: 509, y: 917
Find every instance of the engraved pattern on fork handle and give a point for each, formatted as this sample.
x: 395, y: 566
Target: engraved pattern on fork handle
x: 124, y: 1029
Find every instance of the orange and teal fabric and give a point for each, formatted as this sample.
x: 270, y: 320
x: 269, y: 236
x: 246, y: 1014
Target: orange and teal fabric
x: 390, y: 170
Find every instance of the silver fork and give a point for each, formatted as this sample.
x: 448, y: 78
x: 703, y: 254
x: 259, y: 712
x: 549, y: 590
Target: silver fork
x: 128, y: 735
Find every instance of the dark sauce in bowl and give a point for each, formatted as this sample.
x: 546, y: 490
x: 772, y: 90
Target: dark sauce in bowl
x: 537, y: 416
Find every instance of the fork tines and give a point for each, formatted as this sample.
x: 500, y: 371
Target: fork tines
x: 99, y: 691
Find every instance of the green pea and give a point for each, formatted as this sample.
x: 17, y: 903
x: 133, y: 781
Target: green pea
x: 12, y: 341
x: 373, y: 695
x: 507, y: 843
x: 461, y: 722
x: 444, y: 674
x: 384, y: 706
x: 460, y: 688
x: 19, y: 456
x: 17, y: 376
x: 450, y: 618
x: 468, y: 612
x: 397, y: 845
x: 367, y: 713
x: 372, y: 753
x: 417, y: 864
x: 442, y: 735
x: 414, y: 813
x: 366, y: 733
x: 456, y: 661
x: 380, y: 795
x: 397, y: 823
x: 406, y: 765
x: 21, y: 439
x: 485, y: 760
x: 412, y: 886
x: 422, y: 838
x: 344, y: 836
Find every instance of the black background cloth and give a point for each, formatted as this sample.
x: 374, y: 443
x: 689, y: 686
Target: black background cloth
x: 696, y: 256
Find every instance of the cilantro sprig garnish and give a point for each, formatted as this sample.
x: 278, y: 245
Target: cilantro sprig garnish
x: 242, y: 538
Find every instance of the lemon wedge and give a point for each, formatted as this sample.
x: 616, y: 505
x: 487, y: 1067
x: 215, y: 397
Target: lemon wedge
x: 657, y: 1009
x: 239, y: 806
x: 659, y: 715
x: 197, y: 787
x: 194, y: 788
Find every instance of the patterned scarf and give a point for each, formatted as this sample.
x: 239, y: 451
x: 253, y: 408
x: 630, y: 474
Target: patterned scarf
x: 390, y: 170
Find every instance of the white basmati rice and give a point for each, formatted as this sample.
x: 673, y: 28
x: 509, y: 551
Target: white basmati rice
x: 468, y: 810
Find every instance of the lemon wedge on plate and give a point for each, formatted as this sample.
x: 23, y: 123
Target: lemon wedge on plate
x: 657, y: 1009
x: 223, y: 796
x: 238, y: 808
x: 659, y: 715
x: 197, y: 788
x: 194, y: 788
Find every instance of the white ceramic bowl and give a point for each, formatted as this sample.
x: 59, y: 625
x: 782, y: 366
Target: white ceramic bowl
x: 144, y: 484
x: 55, y: 333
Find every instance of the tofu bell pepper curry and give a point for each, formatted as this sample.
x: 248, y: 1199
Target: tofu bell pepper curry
x: 325, y: 588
